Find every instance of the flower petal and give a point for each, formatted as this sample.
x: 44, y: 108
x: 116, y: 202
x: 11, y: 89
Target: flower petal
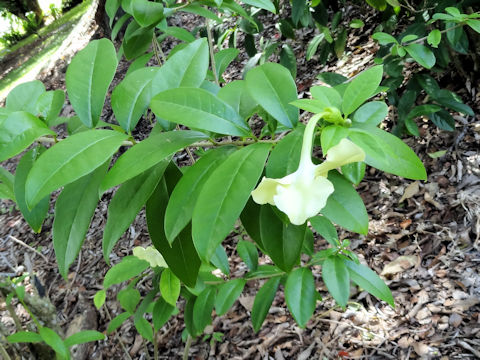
x: 302, y: 200
x: 267, y: 189
x: 345, y: 152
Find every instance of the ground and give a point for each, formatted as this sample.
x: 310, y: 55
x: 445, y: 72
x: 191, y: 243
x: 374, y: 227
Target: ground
x: 424, y: 239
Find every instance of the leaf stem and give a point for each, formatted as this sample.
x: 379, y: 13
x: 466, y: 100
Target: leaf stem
x: 187, y: 347
x: 210, y: 47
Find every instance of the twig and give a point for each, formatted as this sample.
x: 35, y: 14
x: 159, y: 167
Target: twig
x: 351, y: 325
x: 29, y: 247
x: 210, y: 47
x: 187, y: 347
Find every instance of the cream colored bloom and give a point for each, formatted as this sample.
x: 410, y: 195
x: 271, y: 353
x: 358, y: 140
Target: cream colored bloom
x: 151, y: 255
x: 304, y: 193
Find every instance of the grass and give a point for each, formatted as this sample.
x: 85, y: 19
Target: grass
x: 53, y: 35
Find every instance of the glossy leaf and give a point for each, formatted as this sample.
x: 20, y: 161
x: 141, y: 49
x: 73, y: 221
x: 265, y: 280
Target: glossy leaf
x: 300, y: 295
x: 223, y: 58
x: 169, y: 287
x: 24, y: 96
x: 328, y: 96
x: 285, y: 156
x: 200, y: 109
x: 117, y: 321
x: 288, y: 59
x: 83, y: 337
x: 126, y: 204
x: 421, y: 54
x: 273, y: 87
x: 369, y: 281
x: 147, y: 13
x: 88, y: 78
x: 227, y: 294
x: 336, y: 277
x: 74, y: 210
x: 49, y: 105
x: 136, y: 40
x: 54, y: 341
x: 344, y: 206
x: 37, y: 214
x: 24, y: 336
x: 324, y: 227
x: 236, y: 95
x: 372, y: 113
x: 224, y: 196
x: 220, y: 260
x: 263, y: 301
x: 331, y: 136
x: 361, y: 88
x: 202, y: 310
x: 18, y: 131
x: 129, y: 267
x: 148, y: 153
x: 248, y: 253
x: 69, y: 160
x: 262, y: 4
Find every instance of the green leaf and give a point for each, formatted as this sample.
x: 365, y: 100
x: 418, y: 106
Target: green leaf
x: 88, y: 78
x: 443, y: 120
x: 37, y: 214
x: 378, y: 4
x: 111, y: 8
x: 148, y: 153
x: 336, y: 277
x: 313, y: 45
x: 331, y: 136
x: 434, y: 38
x: 356, y: 24
x: 128, y: 299
x: 144, y: 328
x: 421, y: 54
x: 474, y: 24
x: 250, y: 218
x: 147, y: 13
x: 224, y: 196
x: 332, y: 79
x: 288, y: 59
x: 262, y: 4
x: 220, y: 260
x: 263, y: 301
x: 369, y: 281
x: 54, y: 341
x: 327, y: 96
x: 273, y: 87
x: 180, y: 33
x: 384, y: 38
x: 24, y: 96
x: 198, y: 108
x: 18, y: 131
x: 136, y: 40
x: 361, y: 88
x: 264, y: 271
x: 74, y: 210
x: 138, y: 64
x: 118, y: 26
x: 372, y: 113
x: 340, y: 42
x: 452, y: 101
x: 227, y: 294
x: 161, y: 313
x: 388, y: 153
x: 129, y: 267
x: 236, y: 95
x: 223, y: 58
x: 344, y: 206
x: 324, y: 227
x: 169, y: 287
x: 83, y: 337
x: 117, y: 321
x: 186, y: 68
x: 132, y: 96
x: 184, y: 196
x: 285, y: 156
x: 126, y: 204
x: 426, y: 109
x: 181, y: 255
x: 282, y: 241
x: 354, y: 172
x: 24, y: 336
x: 248, y: 253
x: 99, y: 298
x: 69, y: 160
x: 202, y: 310
x: 300, y: 295
x: 49, y: 105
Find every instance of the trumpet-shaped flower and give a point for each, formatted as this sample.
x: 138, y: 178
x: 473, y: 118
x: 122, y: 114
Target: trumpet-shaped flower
x: 305, y: 192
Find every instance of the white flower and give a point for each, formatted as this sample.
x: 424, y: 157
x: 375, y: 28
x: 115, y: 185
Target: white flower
x: 304, y: 193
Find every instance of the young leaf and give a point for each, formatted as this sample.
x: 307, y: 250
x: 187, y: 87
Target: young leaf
x: 369, y: 281
x: 202, y: 310
x: 313, y: 45
x: 128, y: 299
x: 24, y: 336
x: 144, y: 328
x: 331, y: 136
x: 325, y: 228
x: 387, y: 152
x: 74, y: 209
x: 54, y: 341
x: 146, y: 154
x: 18, y: 131
x: 361, y: 88
x: 181, y: 255
x: 169, y: 287
x: 263, y: 301
x: 224, y: 196
x: 345, y: 207
x: 336, y: 277
x: 198, y: 108
x: 248, y: 253
x: 161, y: 313
x: 37, y: 214
x: 99, y: 298
x: 88, y: 77
x: 434, y: 37
x: 184, y: 196
x: 300, y: 295
x: 117, y: 321
x: 227, y: 294
x: 273, y: 87
x: 24, y: 96
x: 83, y: 337
x: 129, y: 267
x: 69, y: 160
x: 132, y: 96
x: 127, y: 202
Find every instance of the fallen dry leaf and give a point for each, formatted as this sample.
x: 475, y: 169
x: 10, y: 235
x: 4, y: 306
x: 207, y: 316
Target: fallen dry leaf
x: 400, y: 264
x: 410, y: 191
